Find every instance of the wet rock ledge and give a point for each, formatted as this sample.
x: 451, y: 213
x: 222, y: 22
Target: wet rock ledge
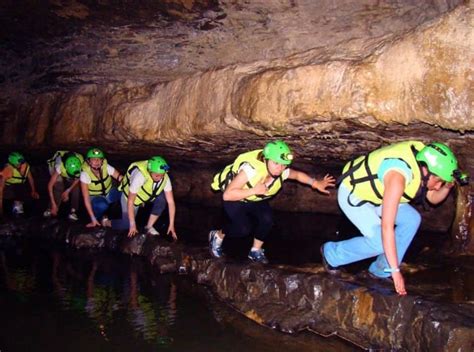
x: 285, y: 298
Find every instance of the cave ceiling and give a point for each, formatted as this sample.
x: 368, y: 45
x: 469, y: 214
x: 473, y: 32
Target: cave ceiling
x: 195, y: 78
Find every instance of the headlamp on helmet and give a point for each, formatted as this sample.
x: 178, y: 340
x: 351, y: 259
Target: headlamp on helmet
x: 95, y: 153
x: 73, y: 164
x: 439, y: 159
x: 157, y: 165
x: 15, y: 159
x: 279, y: 152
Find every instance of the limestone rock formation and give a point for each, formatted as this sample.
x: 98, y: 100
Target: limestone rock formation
x: 202, y: 80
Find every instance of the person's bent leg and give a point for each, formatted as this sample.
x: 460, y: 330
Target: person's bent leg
x: 407, y: 222
x: 99, y: 206
x: 367, y: 219
x: 123, y: 223
x: 58, y: 189
x: 263, y: 214
x: 159, y: 205
x: 75, y: 196
x: 239, y: 222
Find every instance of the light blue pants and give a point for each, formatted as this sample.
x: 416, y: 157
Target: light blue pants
x: 367, y: 218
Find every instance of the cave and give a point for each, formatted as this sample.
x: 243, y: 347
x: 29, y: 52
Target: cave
x: 202, y: 81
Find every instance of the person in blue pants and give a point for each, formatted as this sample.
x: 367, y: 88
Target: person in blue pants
x: 374, y: 193
x: 98, y: 190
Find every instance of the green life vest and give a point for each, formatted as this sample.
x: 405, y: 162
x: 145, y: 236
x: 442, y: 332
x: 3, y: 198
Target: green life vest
x: 17, y: 178
x: 63, y: 154
x: 224, y: 178
x: 99, y: 186
x: 360, y: 174
x: 149, y: 190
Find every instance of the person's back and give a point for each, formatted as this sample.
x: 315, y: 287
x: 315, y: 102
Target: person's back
x: 13, y: 179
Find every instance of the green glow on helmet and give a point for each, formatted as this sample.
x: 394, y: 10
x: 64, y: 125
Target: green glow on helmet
x: 15, y: 159
x: 157, y: 165
x: 73, y: 166
x: 439, y: 159
x: 95, y: 153
x: 279, y: 152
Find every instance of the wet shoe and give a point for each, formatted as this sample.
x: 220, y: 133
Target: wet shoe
x: 72, y: 216
x: 151, y: 231
x: 105, y: 222
x: 328, y: 267
x: 258, y: 256
x: 17, y: 208
x: 47, y: 213
x: 214, y: 247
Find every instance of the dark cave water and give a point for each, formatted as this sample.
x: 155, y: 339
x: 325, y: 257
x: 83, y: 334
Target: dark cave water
x: 55, y: 298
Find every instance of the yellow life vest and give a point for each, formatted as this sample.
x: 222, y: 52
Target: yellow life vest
x: 17, y: 178
x: 99, y: 186
x: 149, y: 190
x: 63, y: 154
x: 360, y: 174
x: 222, y: 179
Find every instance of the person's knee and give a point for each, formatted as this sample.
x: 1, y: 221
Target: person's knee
x: 159, y: 206
x: 266, y: 221
x: 242, y: 230
x: 100, y: 205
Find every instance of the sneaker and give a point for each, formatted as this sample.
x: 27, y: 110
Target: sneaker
x: 105, y: 222
x: 17, y: 208
x: 214, y: 247
x: 73, y: 216
x: 258, y: 256
x: 151, y: 231
x: 328, y: 267
x: 47, y: 213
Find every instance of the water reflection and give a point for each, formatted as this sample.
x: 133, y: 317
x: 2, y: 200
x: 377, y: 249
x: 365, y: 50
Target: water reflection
x: 76, y: 300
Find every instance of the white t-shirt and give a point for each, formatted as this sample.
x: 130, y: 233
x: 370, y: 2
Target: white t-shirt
x: 57, y: 165
x: 251, y: 172
x: 137, y: 180
x: 85, y: 178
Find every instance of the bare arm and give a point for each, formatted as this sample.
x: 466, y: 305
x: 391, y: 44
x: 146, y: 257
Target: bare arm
x: 88, y: 205
x: 172, y: 212
x: 132, y: 231
x: 5, y: 174
x: 31, y: 181
x: 320, y: 185
x: 394, y: 184
x: 438, y: 196
x: 235, y: 190
x: 2, y: 186
x: 117, y: 175
x: 65, y: 195
x: 52, y: 181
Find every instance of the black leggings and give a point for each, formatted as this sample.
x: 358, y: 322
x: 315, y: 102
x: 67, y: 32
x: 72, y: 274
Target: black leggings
x: 252, y: 218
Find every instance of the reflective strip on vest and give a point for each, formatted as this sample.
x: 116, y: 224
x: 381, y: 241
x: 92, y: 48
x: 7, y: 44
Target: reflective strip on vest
x: 149, y: 190
x: 99, y: 186
x: 360, y: 174
x: 61, y: 153
x: 222, y: 179
x: 17, y: 178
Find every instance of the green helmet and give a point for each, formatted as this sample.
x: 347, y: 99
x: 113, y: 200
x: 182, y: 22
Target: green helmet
x: 15, y: 159
x: 95, y: 153
x: 279, y: 152
x: 157, y: 165
x: 73, y: 165
x: 439, y: 159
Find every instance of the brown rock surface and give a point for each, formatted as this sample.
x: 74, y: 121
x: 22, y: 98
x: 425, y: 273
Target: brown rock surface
x: 201, y: 81
x: 294, y: 299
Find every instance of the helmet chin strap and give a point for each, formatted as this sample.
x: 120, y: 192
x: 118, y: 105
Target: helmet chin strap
x: 266, y: 164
